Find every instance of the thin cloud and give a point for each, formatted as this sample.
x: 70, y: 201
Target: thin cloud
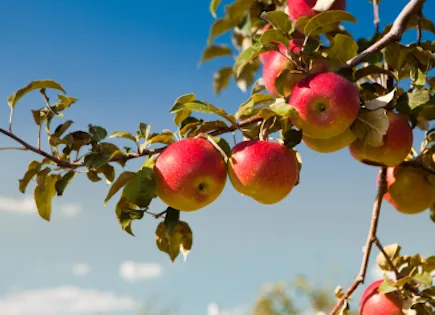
x: 27, y: 205
x: 214, y: 309
x: 81, y: 269
x: 64, y: 300
x: 377, y: 273
x: 132, y: 271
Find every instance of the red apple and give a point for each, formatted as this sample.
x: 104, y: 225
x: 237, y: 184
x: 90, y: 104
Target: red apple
x: 190, y: 174
x: 304, y: 8
x: 374, y: 303
x: 325, y: 105
x: 265, y: 171
x: 397, y: 144
x: 409, y: 190
x: 330, y: 145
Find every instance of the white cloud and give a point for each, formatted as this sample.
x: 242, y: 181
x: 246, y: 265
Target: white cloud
x: 27, y: 205
x: 81, y: 269
x: 377, y: 273
x: 64, y: 300
x: 132, y: 271
x: 214, y: 309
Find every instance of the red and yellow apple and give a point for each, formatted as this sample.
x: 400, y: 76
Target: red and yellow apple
x: 396, y: 147
x: 190, y: 174
x: 409, y: 190
x: 265, y: 171
x: 332, y: 144
x: 325, y: 105
x: 373, y: 302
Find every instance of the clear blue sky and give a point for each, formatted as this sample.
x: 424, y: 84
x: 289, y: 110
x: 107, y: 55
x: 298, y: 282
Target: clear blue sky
x: 127, y: 61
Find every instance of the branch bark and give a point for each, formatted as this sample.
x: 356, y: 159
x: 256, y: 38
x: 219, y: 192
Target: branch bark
x: 371, y: 239
x: 394, y: 35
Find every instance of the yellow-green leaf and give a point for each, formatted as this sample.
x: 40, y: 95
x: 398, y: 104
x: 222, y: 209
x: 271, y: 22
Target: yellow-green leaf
x: 214, y: 51
x: 278, y: 19
x: 34, y: 85
x: 44, y: 195
x: 124, y: 135
x: 219, y: 27
x: 141, y: 189
x: 323, y: 19
x: 371, y: 126
x: 202, y: 107
x: 179, y: 237
x: 246, y: 56
x: 213, y: 7
x: 123, y: 179
x: 343, y: 48
x: 63, y: 182
x: 274, y: 36
x: 33, y: 168
x: 221, y: 79
x: 392, y: 252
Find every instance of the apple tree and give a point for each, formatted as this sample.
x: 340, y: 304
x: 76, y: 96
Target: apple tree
x: 311, y: 83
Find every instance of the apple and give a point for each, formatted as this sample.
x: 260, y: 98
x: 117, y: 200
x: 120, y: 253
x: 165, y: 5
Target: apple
x: 409, y: 190
x: 373, y: 302
x: 325, y: 105
x: 305, y: 8
x: 190, y: 174
x: 265, y: 171
x: 397, y: 144
x: 330, y: 145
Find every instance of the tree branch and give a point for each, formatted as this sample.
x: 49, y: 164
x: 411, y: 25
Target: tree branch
x: 371, y: 238
x: 376, y: 19
x: 387, y: 258
x: 394, y: 35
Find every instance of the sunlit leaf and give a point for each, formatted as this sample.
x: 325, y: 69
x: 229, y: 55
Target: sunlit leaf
x: 34, y: 85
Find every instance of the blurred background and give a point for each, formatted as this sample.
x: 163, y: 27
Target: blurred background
x: 126, y: 62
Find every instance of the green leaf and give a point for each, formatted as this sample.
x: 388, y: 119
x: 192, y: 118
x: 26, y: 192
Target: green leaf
x: 247, y: 108
x: 223, y: 144
x: 246, y: 56
x: 395, y: 55
x: 124, y: 135
x: 208, y: 126
x: 95, y: 160
x: 33, y: 168
x: 221, y: 79
x: 171, y: 242
x: 237, y: 10
x: 60, y: 130
x: 419, y: 78
x: 424, y: 279
x: 387, y: 287
x: 34, y: 85
x: 126, y: 212
x: 123, y: 179
x: 93, y: 176
x: 392, y: 252
x: 279, y: 20
x: 371, y: 70
x: 97, y: 133
x: 258, y: 86
x: 202, y: 107
x: 213, y: 7
x: 323, y: 19
x: 247, y: 76
x: 63, y: 182
x: 381, y: 101
x: 165, y: 138
x: 219, y: 27
x: 371, y: 126
x: 215, y: 51
x: 141, y: 189
x: 418, y: 97
x: 274, y: 36
x: 343, y: 48
x: 44, y: 194
x: 292, y: 138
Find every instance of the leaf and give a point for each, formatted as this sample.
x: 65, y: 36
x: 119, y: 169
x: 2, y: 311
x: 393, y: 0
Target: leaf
x: 387, y: 287
x: 63, y: 182
x: 97, y: 133
x: 33, y: 168
x: 247, y: 76
x: 273, y: 36
x: 202, y: 107
x: 126, y: 212
x: 221, y: 79
x: 381, y: 101
x: 124, y: 135
x: 278, y: 19
x: 323, y: 5
x: 432, y: 214
x: 424, y: 279
x: 280, y: 107
x: 123, y: 179
x: 418, y: 97
x: 180, y: 238
x: 213, y: 7
x: 95, y: 160
x: 215, y: 51
x: 325, y: 18
x: 44, y: 194
x: 258, y: 86
x: 60, y: 130
x: 392, y: 251
x: 181, y: 115
x: 395, y: 55
x: 371, y: 126
x: 211, y: 125
x: 247, y: 108
x: 34, y: 85
x: 343, y: 48
x: 108, y: 171
x: 246, y: 56
x: 165, y: 138
x: 141, y: 189
x: 292, y: 137
x: 219, y: 27
x: 223, y: 145
x: 372, y: 69
x: 93, y: 176
x: 419, y: 78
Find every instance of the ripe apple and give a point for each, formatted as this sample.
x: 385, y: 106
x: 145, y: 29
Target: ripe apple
x: 190, y: 174
x: 330, y: 145
x: 325, y: 105
x: 375, y: 303
x: 304, y: 8
x: 409, y: 190
x: 265, y: 171
x: 397, y: 144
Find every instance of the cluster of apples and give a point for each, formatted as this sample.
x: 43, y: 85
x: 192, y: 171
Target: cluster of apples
x: 192, y: 173
x: 373, y: 302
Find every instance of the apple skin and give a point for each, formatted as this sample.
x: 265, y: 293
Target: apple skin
x: 325, y: 105
x: 190, y: 174
x: 304, y: 8
x: 265, y: 171
x: 374, y: 303
x: 330, y: 145
x: 409, y: 190
x: 397, y: 144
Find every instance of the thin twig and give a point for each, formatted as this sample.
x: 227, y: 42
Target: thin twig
x: 387, y: 258
x: 394, y: 35
x: 13, y: 148
x: 382, y: 188
x: 419, y: 28
x: 376, y: 19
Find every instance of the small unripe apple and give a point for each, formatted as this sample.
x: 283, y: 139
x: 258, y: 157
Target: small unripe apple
x: 265, y: 171
x: 375, y: 303
x: 190, y: 174
x: 396, y: 147
x: 409, y: 190
x: 325, y: 104
x: 330, y: 145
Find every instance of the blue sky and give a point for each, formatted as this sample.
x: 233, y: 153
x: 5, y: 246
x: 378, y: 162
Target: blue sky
x: 127, y: 63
